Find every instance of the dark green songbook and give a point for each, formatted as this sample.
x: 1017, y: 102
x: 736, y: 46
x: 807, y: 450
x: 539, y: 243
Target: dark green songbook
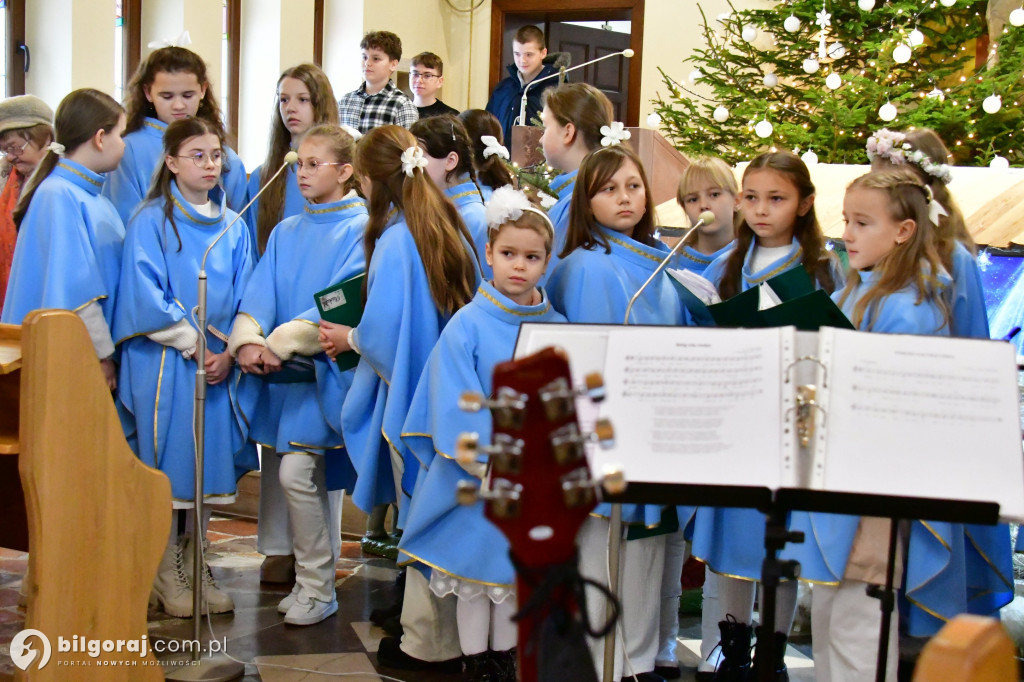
x: 342, y: 303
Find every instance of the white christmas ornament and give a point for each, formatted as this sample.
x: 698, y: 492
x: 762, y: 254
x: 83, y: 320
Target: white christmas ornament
x: 1017, y: 17
x: 916, y: 38
x: 811, y: 65
x: 696, y: 75
x: 653, y: 120
x: 834, y: 81
x: 937, y: 94
x: 866, y: 5
x: 809, y: 158
x: 791, y: 24
x: 763, y: 129
x: 749, y: 33
x: 836, y: 50
x: 902, y: 53
x: 948, y: 3
x: 770, y: 80
x: 992, y: 104
x: 720, y: 114
x: 999, y: 163
x: 887, y: 112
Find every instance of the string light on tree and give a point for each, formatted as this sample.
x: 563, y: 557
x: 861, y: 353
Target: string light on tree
x: 887, y: 112
x: 992, y: 104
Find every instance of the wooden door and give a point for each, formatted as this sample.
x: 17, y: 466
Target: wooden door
x: 610, y: 76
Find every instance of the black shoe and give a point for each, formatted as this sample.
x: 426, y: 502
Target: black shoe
x: 669, y: 672
x: 779, y: 660
x: 385, y: 613
x: 390, y: 655
x: 480, y: 668
x: 735, y: 642
x: 393, y: 626
x: 703, y: 676
x: 504, y: 664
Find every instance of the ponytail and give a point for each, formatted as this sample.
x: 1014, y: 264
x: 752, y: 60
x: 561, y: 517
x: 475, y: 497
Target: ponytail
x: 491, y: 172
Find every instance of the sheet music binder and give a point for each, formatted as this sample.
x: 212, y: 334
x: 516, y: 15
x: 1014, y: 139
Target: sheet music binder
x: 881, y: 415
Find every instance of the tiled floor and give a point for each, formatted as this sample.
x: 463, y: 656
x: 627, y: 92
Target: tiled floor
x: 256, y: 634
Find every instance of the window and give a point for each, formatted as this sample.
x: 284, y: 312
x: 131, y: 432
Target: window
x: 231, y: 55
x: 127, y: 43
x: 13, y: 54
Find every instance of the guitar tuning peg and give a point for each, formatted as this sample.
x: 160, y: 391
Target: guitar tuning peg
x: 614, y: 480
x: 503, y: 496
x: 467, y: 493
x: 578, y: 488
x: 604, y: 433
x: 508, y: 407
x: 506, y: 452
x: 467, y: 445
x: 594, y: 383
x: 567, y: 442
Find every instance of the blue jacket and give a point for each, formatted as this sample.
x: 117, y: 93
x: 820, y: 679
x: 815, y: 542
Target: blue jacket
x: 508, y: 95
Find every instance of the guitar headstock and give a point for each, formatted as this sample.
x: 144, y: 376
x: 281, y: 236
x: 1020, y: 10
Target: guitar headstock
x: 539, y: 487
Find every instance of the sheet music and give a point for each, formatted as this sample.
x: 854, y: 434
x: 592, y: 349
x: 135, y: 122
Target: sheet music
x: 921, y: 416
x: 689, y: 404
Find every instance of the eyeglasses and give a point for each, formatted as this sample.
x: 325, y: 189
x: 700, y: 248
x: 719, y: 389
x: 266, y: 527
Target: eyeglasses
x: 14, y: 149
x: 414, y: 75
x: 201, y: 158
x: 314, y: 166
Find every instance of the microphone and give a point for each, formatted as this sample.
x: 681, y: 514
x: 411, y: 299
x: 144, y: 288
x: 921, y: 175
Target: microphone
x: 199, y: 413
x: 627, y: 53
x: 703, y: 219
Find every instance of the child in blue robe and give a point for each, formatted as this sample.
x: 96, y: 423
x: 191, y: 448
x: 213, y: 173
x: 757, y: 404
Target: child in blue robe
x: 449, y: 154
x: 68, y: 251
x: 573, y: 116
x: 610, y: 252
x: 421, y: 270
x: 277, y: 320
x: 170, y: 84
x: 153, y: 322
x: 977, y: 577
x: 779, y: 231
x: 890, y: 242
x: 489, y: 151
x: 482, y: 334
x: 304, y: 98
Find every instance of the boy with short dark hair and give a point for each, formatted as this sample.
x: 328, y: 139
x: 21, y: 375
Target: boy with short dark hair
x: 530, y: 53
x: 377, y: 101
x: 425, y: 78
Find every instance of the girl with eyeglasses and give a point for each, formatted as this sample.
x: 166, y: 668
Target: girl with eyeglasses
x: 157, y: 335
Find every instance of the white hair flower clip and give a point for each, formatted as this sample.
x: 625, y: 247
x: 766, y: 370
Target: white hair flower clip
x: 353, y: 132
x: 493, y: 147
x: 183, y: 40
x: 508, y: 204
x: 614, y: 134
x: 935, y: 209
x: 412, y: 158
x: 57, y: 148
x: 546, y: 200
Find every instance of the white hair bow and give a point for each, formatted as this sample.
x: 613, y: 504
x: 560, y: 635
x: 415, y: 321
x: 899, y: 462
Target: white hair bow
x: 935, y: 209
x: 492, y: 147
x: 353, y: 132
x: 507, y: 204
x: 183, y: 40
x: 412, y: 158
x: 57, y: 148
x: 614, y: 134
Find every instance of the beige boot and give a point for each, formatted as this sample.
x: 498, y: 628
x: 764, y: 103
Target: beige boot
x: 172, y: 588
x: 214, y: 599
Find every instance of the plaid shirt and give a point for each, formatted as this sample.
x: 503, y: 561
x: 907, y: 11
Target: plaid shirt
x: 365, y: 112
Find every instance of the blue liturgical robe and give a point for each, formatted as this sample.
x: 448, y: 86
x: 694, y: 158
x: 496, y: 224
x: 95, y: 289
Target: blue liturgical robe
x: 157, y: 385
x: 68, y: 252
x: 591, y: 286
x: 470, y: 202
x: 689, y: 258
x: 128, y: 185
x: 306, y: 253
x: 969, y: 316
x: 563, y: 185
x: 477, y: 338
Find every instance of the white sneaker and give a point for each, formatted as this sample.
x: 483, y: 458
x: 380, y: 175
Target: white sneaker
x: 286, y: 603
x: 307, y: 610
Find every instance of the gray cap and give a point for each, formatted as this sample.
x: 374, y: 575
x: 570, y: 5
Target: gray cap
x: 24, y: 111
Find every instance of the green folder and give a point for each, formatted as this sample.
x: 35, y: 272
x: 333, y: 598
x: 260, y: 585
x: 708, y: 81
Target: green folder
x: 342, y: 303
x: 807, y: 313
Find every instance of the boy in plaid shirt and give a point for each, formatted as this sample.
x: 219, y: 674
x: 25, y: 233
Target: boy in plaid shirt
x: 378, y: 101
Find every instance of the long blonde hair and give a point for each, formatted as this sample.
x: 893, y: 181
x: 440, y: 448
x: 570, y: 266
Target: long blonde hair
x: 440, y: 235
x: 915, y: 261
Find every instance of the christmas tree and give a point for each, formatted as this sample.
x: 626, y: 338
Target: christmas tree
x: 818, y: 76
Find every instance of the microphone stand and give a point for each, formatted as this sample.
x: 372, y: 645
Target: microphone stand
x: 615, y: 522
x: 627, y: 53
x: 214, y: 666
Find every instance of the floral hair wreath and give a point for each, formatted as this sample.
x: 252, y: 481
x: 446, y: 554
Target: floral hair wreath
x: 412, y: 158
x: 508, y: 204
x: 892, y: 147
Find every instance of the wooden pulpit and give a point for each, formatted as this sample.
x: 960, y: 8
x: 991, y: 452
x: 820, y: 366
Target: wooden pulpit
x: 98, y: 518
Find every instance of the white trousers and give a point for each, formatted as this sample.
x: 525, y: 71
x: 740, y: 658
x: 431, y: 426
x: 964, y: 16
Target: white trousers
x: 844, y: 634
x: 431, y: 632
x: 676, y: 553
x: 302, y: 479
x: 710, y: 654
x: 274, y: 535
x: 481, y: 623
x: 641, y: 565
